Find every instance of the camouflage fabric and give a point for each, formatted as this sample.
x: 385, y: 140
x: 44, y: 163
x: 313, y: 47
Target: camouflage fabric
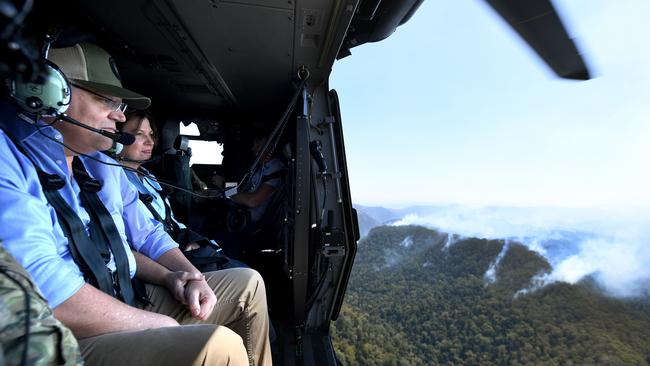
x: 50, y: 343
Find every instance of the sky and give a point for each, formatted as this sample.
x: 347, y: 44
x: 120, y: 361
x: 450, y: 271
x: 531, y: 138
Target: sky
x: 454, y: 108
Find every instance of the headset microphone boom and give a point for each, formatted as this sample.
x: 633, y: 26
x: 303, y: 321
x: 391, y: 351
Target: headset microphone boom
x: 120, y: 137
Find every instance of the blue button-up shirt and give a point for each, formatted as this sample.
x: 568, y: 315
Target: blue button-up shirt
x: 29, y: 227
x: 270, y: 167
x: 153, y: 188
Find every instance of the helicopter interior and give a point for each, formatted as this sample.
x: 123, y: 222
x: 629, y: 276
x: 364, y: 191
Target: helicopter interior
x: 237, y: 67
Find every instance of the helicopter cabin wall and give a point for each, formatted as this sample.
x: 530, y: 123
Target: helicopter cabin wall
x: 332, y: 240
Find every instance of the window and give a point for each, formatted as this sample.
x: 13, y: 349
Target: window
x: 203, y: 152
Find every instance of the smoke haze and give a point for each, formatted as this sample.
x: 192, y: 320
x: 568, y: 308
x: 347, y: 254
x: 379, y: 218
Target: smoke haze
x: 610, y: 246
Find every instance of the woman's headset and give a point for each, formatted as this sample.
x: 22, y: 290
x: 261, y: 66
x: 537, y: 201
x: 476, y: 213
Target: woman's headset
x: 49, y: 98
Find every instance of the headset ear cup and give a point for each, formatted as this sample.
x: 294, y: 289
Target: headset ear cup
x: 65, y: 89
x: 47, y: 98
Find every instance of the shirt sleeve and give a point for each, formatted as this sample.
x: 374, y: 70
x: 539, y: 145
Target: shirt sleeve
x: 145, y: 234
x: 30, y: 231
x: 273, y: 167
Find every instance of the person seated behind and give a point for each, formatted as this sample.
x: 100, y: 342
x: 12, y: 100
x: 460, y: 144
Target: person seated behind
x: 250, y: 228
x: 264, y: 182
x: 205, y: 254
x: 30, y: 333
x: 81, y: 288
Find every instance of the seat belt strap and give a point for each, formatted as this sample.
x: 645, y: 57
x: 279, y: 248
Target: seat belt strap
x: 168, y: 210
x: 84, y: 253
x: 103, y: 225
x: 168, y: 215
x: 181, y: 236
x: 171, y: 227
x: 147, y: 198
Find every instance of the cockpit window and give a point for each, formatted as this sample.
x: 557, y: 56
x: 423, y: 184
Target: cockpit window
x: 203, y: 152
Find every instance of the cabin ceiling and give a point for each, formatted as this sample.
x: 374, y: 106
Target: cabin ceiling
x: 205, y: 56
x: 201, y: 57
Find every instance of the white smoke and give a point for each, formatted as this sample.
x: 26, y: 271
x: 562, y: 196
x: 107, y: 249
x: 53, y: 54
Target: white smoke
x: 451, y: 240
x: 620, y: 265
x: 491, y: 274
x: 407, y: 242
x: 609, y: 246
x: 394, y: 257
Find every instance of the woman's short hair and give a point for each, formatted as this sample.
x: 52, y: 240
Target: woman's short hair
x: 140, y: 115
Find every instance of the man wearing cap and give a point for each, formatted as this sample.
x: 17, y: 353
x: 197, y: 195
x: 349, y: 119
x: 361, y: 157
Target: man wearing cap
x: 38, y: 236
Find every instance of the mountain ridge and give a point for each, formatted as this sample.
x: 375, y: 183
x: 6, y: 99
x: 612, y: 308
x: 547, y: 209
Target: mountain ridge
x: 417, y: 298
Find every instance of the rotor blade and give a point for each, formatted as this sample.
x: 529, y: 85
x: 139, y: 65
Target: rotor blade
x: 539, y: 25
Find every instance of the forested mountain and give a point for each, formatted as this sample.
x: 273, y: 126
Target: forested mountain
x: 373, y: 216
x: 417, y: 297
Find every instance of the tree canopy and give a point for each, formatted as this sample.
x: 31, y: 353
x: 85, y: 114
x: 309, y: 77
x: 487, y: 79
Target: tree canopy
x: 420, y: 297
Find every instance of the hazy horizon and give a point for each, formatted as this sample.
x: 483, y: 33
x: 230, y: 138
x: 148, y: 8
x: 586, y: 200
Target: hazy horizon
x: 607, y: 246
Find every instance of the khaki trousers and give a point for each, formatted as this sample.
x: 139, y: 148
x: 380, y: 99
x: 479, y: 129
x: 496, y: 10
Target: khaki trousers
x: 195, y: 345
x: 241, y: 307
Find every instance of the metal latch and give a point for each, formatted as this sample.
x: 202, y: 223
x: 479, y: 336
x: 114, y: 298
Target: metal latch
x: 333, y: 243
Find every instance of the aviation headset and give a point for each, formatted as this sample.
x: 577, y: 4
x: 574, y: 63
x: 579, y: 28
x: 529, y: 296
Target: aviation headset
x: 50, y: 94
x: 49, y: 98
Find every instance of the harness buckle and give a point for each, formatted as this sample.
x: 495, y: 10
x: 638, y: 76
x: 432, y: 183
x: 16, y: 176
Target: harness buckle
x: 91, y: 186
x: 50, y: 182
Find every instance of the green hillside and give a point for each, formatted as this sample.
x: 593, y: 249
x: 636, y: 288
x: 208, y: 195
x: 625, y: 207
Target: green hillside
x: 411, y: 301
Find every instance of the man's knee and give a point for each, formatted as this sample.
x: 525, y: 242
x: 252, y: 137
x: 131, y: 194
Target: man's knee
x: 241, y: 280
x: 202, y: 344
x: 254, y: 280
x: 224, y: 347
